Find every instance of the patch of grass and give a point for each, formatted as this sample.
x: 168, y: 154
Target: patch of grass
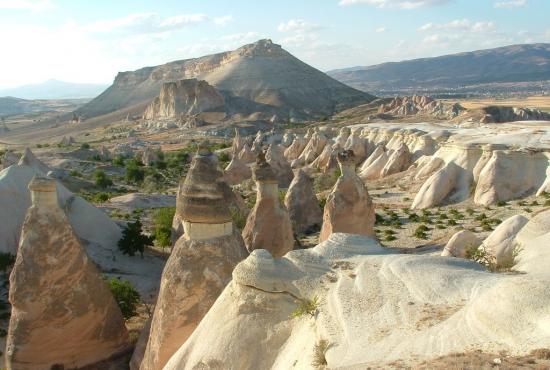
x: 534, y: 203
x: 501, y: 203
x: 319, y: 354
x: 470, y: 211
x: 306, y: 307
x: 390, y: 238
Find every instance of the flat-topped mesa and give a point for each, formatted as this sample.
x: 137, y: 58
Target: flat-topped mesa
x: 349, y: 208
x: 199, y: 266
x: 202, y: 208
x: 268, y: 225
x: 63, y: 313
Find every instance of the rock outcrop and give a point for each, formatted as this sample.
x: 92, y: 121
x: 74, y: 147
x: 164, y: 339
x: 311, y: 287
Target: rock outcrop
x: 500, y: 245
x: 399, y: 160
x: 420, y: 104
x: 268, y: 225
x: 63, y: 313
x: 237, y: 171
x: 302, y: 204
x: 246, y: 154
x: 355, y: 290
x: 199, y: 266
x: 349, y: 208
x: 184, y: 98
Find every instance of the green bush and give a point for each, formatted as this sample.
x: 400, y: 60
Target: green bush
x: 163, y: 225
x: 133, y: 240
x: 85, y: 146
x: 306, y: 307
x: 126, y: 296
x: 501, y: 203
x: 75, y: 173
x: 134, y: 171
x: 101, y: 180
x: 239, y: 218
x: 101, y: 197
x: 118, y: 161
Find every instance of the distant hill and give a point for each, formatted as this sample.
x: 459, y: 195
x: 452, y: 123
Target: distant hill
x: 504, y: 65
x: 261, y: 77
x: 54, y: 89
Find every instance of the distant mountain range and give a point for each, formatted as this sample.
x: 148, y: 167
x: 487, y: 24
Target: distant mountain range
x: 529, y: 63
x: 54, y: 89
x: 260, y: 77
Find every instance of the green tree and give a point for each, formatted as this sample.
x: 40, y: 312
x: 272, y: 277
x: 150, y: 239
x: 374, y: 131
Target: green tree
x: 125, y: 295
x: 163, y: 225
x: 133, y: 240
x: 101, y: 179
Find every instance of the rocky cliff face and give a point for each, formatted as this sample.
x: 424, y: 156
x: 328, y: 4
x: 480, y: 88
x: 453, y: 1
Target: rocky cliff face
x: 261, y: 74
x: 184, y: 98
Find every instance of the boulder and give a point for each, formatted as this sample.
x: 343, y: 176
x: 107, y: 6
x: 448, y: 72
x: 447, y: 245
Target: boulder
x: 459, y: 244
x: 349, y: 208
x: 437, y: 188
x: 63, y: 313
x: 302, y: 204
x: 268, y: 225
x: 199, y: 266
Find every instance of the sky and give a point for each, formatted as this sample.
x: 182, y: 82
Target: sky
x: 90, y: 41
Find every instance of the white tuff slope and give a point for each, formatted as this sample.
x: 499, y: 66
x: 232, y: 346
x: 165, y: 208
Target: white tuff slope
x: 375, y: 307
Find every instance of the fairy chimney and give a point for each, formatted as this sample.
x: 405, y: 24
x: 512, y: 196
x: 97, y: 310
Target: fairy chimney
x: 63, y: 313
x: 200, y: 265
x: 268, y: 224
x: 349, y: 208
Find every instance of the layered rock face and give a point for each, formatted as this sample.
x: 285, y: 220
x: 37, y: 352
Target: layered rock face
x: 268, y: 225
x: 184, y: 98
x: 420, y: 104
x: 349, y: 207
x: 200, y: 265
x: 302, y: 204
x: 419, y: 302
x: 62, y: 311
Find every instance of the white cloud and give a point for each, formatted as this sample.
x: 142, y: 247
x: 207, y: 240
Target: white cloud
x: 223, y: 20
x: 32, y: 5
x: 459, y: 25
x: 145, y: 23
x: 381, y: 29
x: 400, y: 4
x: 509, y: 4
x: 298, y: 25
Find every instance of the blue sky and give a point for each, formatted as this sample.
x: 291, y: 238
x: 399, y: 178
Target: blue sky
x: 90, y: 41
